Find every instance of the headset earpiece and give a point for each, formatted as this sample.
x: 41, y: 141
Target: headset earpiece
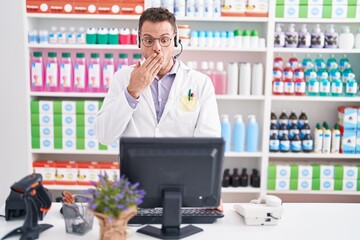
x: 138, y: 40
x: 176, y: 41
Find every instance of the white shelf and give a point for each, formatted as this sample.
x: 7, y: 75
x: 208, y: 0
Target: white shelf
x: 67, y: 94
x: 83, y: 16
x: 224, y: 49
x: 243, y: 154
x: 315, y: 99
x: 75, y: 152
x: 314, y: 192
x: 240, y: 190
x: 316, y: 50
x: 223, y: 19
x: 84, y: 46
x: 314, y: 156
x: 67, y: 187
x: 319, y: 20
x: 240, y: 97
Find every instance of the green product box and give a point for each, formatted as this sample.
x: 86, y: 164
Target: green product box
x: 80, y: 107
x: 338, y: 184
x: 315, y: 184
x: 57, y: 106
x: 293, y: 184
x: 102, y: 147
x: 35, y: 131
x: 272, y: 171
x: 35, y: 119
x: 339, y: 172
x: 80, y: 132
x: 80, y: 143
x: 316, y: 171
x: 294, y: 173
x: 358, y: 185
x: 58, y: 143
x: 58, y: 132
x: 34, y: 106
x: 271, y: 183
x: 35, y: 142
x: 58, y: 119
x: 80, y: 120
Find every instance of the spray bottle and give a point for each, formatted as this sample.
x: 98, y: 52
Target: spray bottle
x: 252, y: 135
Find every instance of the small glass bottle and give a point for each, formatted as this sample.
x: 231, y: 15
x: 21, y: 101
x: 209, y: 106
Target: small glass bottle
x: 235, y: 178
x: 226, y: 178
x: 244, y: 178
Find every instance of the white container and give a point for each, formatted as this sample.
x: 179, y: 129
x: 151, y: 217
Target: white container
x: 279, y: 36
x: 257, y: 80
x: 346, y: 38
x: 180, y: 8
x: 244, y: 79
x: 232, y: 78
x: 304, y: 37
x: 357, y: 39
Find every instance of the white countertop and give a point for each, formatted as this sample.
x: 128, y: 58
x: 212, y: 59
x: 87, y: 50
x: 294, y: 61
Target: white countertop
x: 300, y: 221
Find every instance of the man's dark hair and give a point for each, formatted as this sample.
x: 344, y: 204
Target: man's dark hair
x: 157, y: 14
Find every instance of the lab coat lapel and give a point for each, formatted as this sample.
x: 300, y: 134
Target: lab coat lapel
x: 149, y: 99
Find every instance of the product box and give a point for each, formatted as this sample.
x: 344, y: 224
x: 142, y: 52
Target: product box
x: 305, y: 172
x: 132, y: 7
x: 61, y: 6
x: 66, y: 172
x: 89, y: 133
x: 109, y: 6
x: 68, y: 120
x: 257, y: 8
x: 85, y: 7
x: 327, y: 172
x: 357, y: 148
x: 69, y: 143
x: 37, y: 6
x: 87, y: 171
x: 89, y: 120
x: 46, y: 107
x: 112, y: 169
x: 282, y: 184
x: 326, y: 184
x: 91, y: 144
x: 348, y: 143
x: 351, y: 172
x: 42, y: 131
x: 69, y: 132
x: 46, y: 169
x: 304, y: 184
x: 358, y: 115
x: 46, y: 143
x: 349, y: 185
x: 45, y: 119
x: 233, y: 8
x: 114, y: 147
x: 283, y: 171
x: 347, y: 117
x: 68, y: 107
x: 91, y: 107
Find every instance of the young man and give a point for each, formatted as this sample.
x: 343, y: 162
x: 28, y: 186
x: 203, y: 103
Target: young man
x: 159, y: 96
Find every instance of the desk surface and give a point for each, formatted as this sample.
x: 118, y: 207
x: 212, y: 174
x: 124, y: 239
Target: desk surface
x: 299, y: 221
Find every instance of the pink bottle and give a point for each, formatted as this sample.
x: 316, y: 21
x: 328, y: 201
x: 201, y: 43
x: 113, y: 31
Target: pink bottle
x: 52, y: 73
x: 277, y: 71
x: 37, y: 72
x: 108, y: 69
x: 124, y: 36
x: 278, y: 86
x: 122, y: 61
x: 278, y: 60
x: 219, y: 76
x: 133, y: 36
x: 94, y: 80
x: 300, y: 86
x: 289, y: 86
x: 293, y: 62
x: 288, y: 72
x: 66, y: 71
x: 80, y: 73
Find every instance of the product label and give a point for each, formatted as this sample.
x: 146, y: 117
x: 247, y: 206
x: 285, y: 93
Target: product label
x: 36, y: 75
x: 289, y: 87
x: 94, y: 76
x: 307, y: 145
x: 351, y: 87
x: 79, y: 76
x: 51, y: 75
x: 314, y: 87
x: 324, y: 87
x: 296, y: 146
x: 300, y: 87
x: 336, y: 87
x: 274, y: 145
x: 65, y: 75
x: 108, y: 72
x: 285, y: 145
x: 278, y: 87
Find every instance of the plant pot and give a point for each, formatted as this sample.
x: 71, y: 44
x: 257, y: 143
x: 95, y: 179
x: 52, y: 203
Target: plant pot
x: 114, y: 228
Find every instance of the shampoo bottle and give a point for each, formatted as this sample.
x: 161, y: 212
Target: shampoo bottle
x: 52, y: 73
x: 80, y: 73
x: 327, y: 139
x: 331, y: 37
x: 317, y: 37
x: 304, y: 37
x: 335, y: 139
x: 291, y: 37
x: 239, y: 134
x: 357, y: 39
x: 318, y: 138
x: 346, y: 38
x: 279, y: 36
x: 65, y: 76
x: 94, y: 80
x: 226, y: 131
x: 37, y: 72
x: 252, y: 135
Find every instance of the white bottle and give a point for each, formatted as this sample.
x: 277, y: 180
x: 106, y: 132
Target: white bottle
x: 208, y: 8
x: 257, y: 80
x: 62, y: 35
x: 331, y: 37
x: 180, y: 8
x: 199, y: 8
x: 244, y: 79
x: 346, y: 38
x: 239, y: 134
x: 291, y: 37
x: 279, y: 36
x: 53, y: 36
x: 81, y: 36
x: 169, y: 5
x: 357, y: 39
x: 304, y: 37
x: 317, y: 37
x: 71, y: 36
x: 232, y: 78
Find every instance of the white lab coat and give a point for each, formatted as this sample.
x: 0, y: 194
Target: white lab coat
x: 197, y: 117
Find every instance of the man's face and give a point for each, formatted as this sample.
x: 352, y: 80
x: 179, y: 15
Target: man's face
x: 159, y: 31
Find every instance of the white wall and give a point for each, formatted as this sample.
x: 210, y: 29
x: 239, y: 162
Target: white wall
x: 13, y: 131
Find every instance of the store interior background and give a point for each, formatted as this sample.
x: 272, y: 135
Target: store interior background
x: 13, y: 131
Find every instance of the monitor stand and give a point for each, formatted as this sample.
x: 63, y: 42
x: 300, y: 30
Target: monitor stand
x: 172, y: 202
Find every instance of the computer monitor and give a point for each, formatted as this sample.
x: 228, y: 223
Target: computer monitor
x: 175, y: 173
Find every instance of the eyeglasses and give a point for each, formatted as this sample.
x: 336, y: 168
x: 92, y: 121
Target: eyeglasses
x: 149, y: 41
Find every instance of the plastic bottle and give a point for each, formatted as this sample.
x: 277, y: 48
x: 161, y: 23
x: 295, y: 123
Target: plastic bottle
x: 209, y: 36
x: 295, y: 143
x: 307, y: 144
x: 199, y: 8
x: 37, y: 72
x: 292, y: 119
x: 230, y: 39
x: 257, y: 80
x: 239, y: 134
x: 122, y: 61
x: 53, y: 36
x: 300, y: 85
x: 190, y: 8
x: 318, y: 138
x: 351, y: 88
x: 327, y: 139
x: 330, y: 61
x: 317, y: 37
x: 302, y: 119
x: 299, y: 71
x: 252, y: 135
x: 94, y: 79
x: 335, y: 139
x: 136, y: 58
x: 346, y: 38
x: 235, y: 178
x: 283, y: 118
x: 319, y: 62
x: 333, y: 71
x: 226, y: 180
x: 232, y: 78
x: 134, y: 36
x: 279, y: 62
x: 274, y: 143
x: 124, y: 36
x: 294, y: 62
x: 309, y: 71
x: 336, y: 86
x: 305, y: 129
x: 288, y: 72
x: 255, y: 178
x: 108, y: 70
x: 277, y: 70
x: 291, y: 37
x: 52, y: 73
x: 244, y: 178
x: 80, y: 73
x: 71, y: 36
x: 66, y: 71
x: 274, y: 129
x: 293, y: 129
x: 179, y: 8
x: 331, y: 37
x: 273, y: 118
x: 33, y: 36
x: 345, y: 73
x: 284, y: 143
x: 245, y: 79
x: 220, y: 79
x: 279, y: 36
x: 91, y: 36
x: 62, y: 35
x: 357, y: 39
x: 313, y: 86
x: 113, y: 37
x: 238, y: 38
x: 194, y: 38
x: 226, y: 131
x: 254, y: 39
x: 304, y: 37
x: 43, y: 37
x: 246, y: 39
x: 289, y: 86
x: 283, y: 130
x: 81, y: 36
x: 342, y: 62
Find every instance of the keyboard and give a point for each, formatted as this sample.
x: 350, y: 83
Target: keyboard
x: 188, y: 215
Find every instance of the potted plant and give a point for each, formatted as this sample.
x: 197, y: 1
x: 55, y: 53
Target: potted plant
x: 114, y: 203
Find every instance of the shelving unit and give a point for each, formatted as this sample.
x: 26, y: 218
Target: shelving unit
x: 261, y: 106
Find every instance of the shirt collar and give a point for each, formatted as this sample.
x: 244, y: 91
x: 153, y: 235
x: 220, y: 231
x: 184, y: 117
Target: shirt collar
x: 173, y: 70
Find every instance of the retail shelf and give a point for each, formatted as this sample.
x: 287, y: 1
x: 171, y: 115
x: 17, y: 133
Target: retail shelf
x: 67, y: 94
x: 84, y: 46
x: 239, y: 97
x: 319, y: 20
x: 240, y: 190
x: 315, y: 99
x: 67, y: 187
x: 314, y: 156
x: 224, y: 49
x: 316, y: 50
x: 80, y: 152
x: 314, y: 192
x: 83, y: 16
x: 243, y: 154
x: 223, y: 19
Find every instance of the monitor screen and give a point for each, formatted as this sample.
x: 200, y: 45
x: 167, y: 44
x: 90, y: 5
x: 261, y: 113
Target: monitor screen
x: 190, y: 168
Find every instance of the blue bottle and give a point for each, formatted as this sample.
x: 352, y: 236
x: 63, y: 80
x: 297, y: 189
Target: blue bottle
x: 252, y: 135
x: 239, y: 134
x: 226, y: 131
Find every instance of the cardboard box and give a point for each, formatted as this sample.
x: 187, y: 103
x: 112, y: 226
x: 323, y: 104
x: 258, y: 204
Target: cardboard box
x: 305, y: 171
x: 112, y: 169
x: 66, y: 173
x: 326, y: 184
x: 46, y: 169
x: 257, y: 8
x: 304, y: 184
x: 327, y: 172
x: 85, y: 7
x: 233, y: 8
x: 357, y: 147
x: 283, y: 171
x: 348, y: 117
x: 69, y: 143
x: 68, y: 107
x: 37, y: 6
x: 61, y: 6
x: 87, y: 171
x: 348, y: 143
x: 349, y: 185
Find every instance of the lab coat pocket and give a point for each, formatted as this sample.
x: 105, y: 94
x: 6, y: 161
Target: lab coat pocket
x: 186, y: 112
x: 188, y: 104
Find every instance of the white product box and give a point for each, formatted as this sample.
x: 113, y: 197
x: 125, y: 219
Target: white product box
x: 294, y: 2
x: 282, y: 184
x: 46, y: 119
x: 327, y: 172
x: 66, y: 172
x: 69, y: 120
x: 348, y: 143
x: 89, y: 120
x: 69, y: 143
x: 69, y: 132
x: 87, y: 171
x: 357, y: 150
x: 358, y: 13
x: 326, y: 184
x: 291, y: 11
x: 315, y: 2
x: 91, y: 107
x: 305, y: 172
x: 349, y: 185
x: 304, y: 184
x: 283, y: 171
x: 46, y: 143
x: 89, y: 132
x: 339, y: 11
x: 315, y: 11
x: 350, y: 172
x: 46, y: 107
x: 46, y: 169
x: 46, y: 131
x: 112, y: 169
x: 68, y: 107
x: 91, y: 144
x: 114, y: 146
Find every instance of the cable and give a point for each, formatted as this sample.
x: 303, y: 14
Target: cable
x: 276, y: 218
x: 181, y: 50
x: 2, y: 215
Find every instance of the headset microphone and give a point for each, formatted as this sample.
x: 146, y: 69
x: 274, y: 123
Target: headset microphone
x: 181, y: 50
